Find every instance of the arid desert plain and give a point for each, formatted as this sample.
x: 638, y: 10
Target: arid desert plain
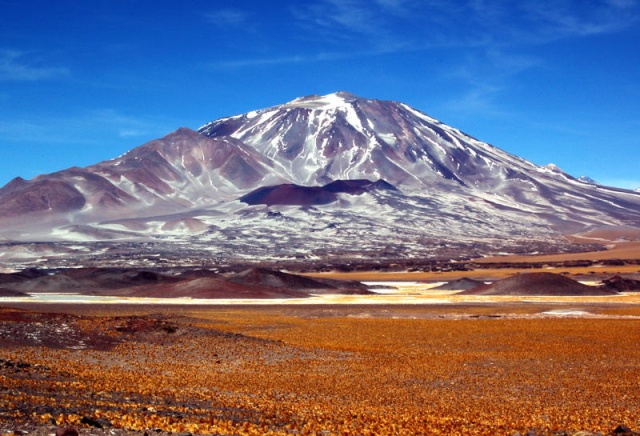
x: 407, y: 360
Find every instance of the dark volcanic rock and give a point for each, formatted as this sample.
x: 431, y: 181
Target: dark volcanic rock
x: 295, y: 195
x: 21, y: 276
x: 620, y: 284
x: 82, y: 280
x: 66, y: 431
x: 211, y: 287
x: 251, y: 283
x: 357, y: 187
x: 11, y: 293
x: 95, y: 422
x: 281, y: 280
x: 198, y: 273
x: 537, y: 284
x: 274, y: 279
x: 289, y: 195
x: 114, y: 278
x: 624, y: 430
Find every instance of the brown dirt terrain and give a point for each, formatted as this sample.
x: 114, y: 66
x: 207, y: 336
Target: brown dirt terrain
x: 621, y: 257
x: 621, y: 243
x: 488, y: 274
x: 282, y: 370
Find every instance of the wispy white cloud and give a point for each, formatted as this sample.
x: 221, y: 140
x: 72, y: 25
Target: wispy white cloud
x: 492, y: 37
x: 67, y: 139
x: 344, y: 29
x: 407, y: 25
x: 123, y: 125
x: 277, y: 60
x: 16, y: 65
x: 529, y: 22
x: 291, y: 60
x: 477, y: 98
x: 227, y: 17
x: 87, y: 128
x: 494, y: 63
x: 496, y: 52
x: 483, y: 76
x: 399, y: 7
x: 363, y: 23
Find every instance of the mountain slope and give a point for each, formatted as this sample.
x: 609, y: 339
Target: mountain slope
x: 315, y: 140
x: 318, y: 176
x: 170, y: 174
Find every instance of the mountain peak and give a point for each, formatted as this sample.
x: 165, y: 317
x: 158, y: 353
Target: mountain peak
x: 340, y: 98
x: 588, y: 180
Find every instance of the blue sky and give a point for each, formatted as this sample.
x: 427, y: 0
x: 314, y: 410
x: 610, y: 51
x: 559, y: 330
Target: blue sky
x: 553, y: 81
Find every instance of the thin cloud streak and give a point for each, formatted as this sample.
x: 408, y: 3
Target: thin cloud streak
x: 507, y: 31
x: 82, y: 129
x: 568, y: 20
x: 16, y: 65
x: 275, y: 61
x: 328, y: 15
x: 528, y: 23
x: 295, y: 59
x: 358, y: 28
x: 227, y: 17
x: 496, y: 48
x: 496, y: 23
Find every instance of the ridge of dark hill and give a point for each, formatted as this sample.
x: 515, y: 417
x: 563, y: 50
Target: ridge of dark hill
x: 358, y: 186
x: 537, y: 284
x: 289, y: 195
x: 621, y: 284
x: 460, y: 284
x: 251, y: 283
x: 211, y: 288
x: 21, y: 276
x: 295, y: 195
x: 282, y: 280
x: 83, y: 280
x: 273, y: 279
x: 4, y: 292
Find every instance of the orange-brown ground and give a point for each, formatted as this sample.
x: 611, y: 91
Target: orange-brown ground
x: 625, y: 250
x: 327, y: 369
x: 621, y: 243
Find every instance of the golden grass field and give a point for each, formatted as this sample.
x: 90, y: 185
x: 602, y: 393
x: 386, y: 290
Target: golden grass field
x: 476, y: 369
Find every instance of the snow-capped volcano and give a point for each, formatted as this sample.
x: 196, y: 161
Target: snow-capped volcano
x: 442, y: 187
x: 317, y: 139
